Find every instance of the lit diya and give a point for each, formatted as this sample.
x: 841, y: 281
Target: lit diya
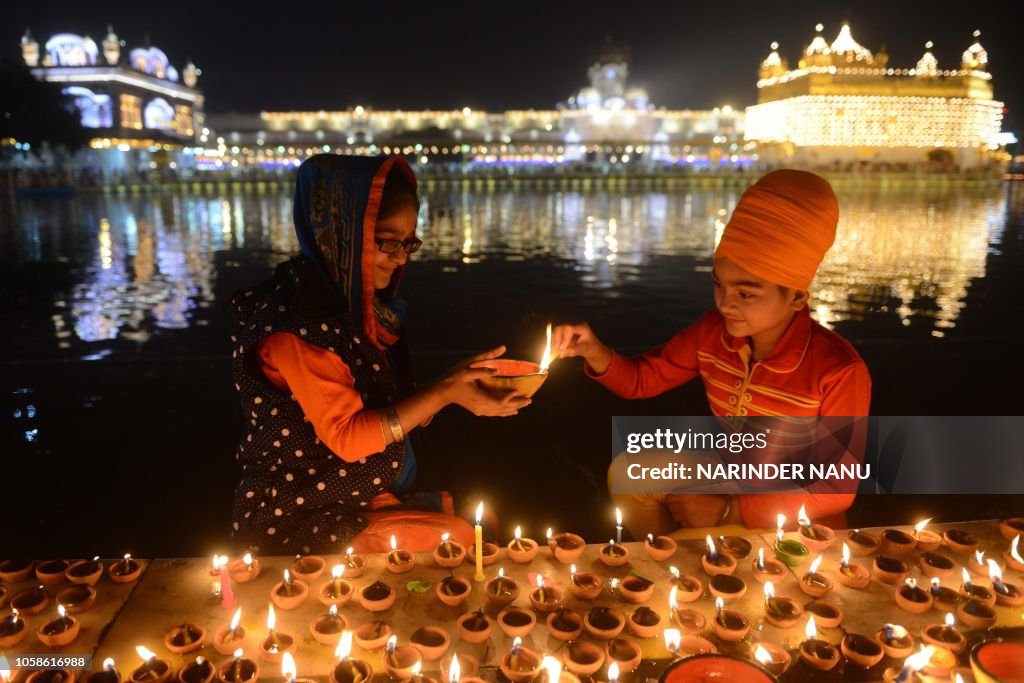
x: 943, y: 598
x: 60, y: 631
x: 520, y: 664
x: 584, y: 585
x: 522, y: 550
x: 449, y: 553
x: 354, y: 564
x: 659, y: 548
x: 772, y: 657
x: 767, y: 569
x: 817, y: 654
x: 308, y: 567
x: 399, y: 561
x: 275, y: 644
x: 714, y: 562
x: 974, y: 591
x: 566, y: 546
x: 791, y: 552
x: 912, y: 598
x: 1007, y: 594
x: 729, y: 625
x: 895, y: 640
x: 108, y: 674
x: 124, y: 570
x: 198, y: 671
x: 546, y: 598
x: 689, y: 620
x: 245, y: 569
x: 1013, y: 557
x: 737, y: 546
x: 337, y: 591
x: 85, y: 571
x: 687, y: 646
x: 372, y: 636
x: 614, y: 554
x: 231, y: 637
x: 185, y: 638
x: 519, y: 377
x: 979, y: 563
x: 852, y: 575
x: 912, y: 664
x: 238, y: 669
x: 401, y: 663
x: 814, y: 583
x: 328, y: 628
x: 689, y: 588
x: 152, y: 670
x: 552, y: 670
x: 780, y: 611
x: 945, y: 635
x: 926, y: 541
x: 817, y: 537
x: 349, y: 669
x: 460, y: 667
x: 289, y: 593
x: 12, y: 630
x: 502, y: 590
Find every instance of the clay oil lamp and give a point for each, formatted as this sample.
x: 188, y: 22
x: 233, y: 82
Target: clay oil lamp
x: 12, y: 630
x: 767, y: 569
x: 566, y: 546
x: 979, y: 563
x: 474, y: 627
x: 584, y: 585
x: 108, y: 674
x: 290, y: 593
x: 15, y: 571
x: 124, y: 570
x: 238, y: 669
x: 689, y: 588
x: 501, y: 590
x: 452, y: 591
x: 974, y: 591
x: 1011, y: 527
x: 852, y: 575
x: 185, y: 638
x: 613, y: 554
x: 961, y: 542
x: 519, y: 377
x: 728, y: 587
x: 934, y: 565
x: 943, y: 599
x: 860, y: 650
x: 31, y: 601
x: 737, y: 546
x: 372, y: 636
x: 659, y: 548
x: 231, y: 637
x: 889, y: 570
x: 895, y: 640
x: 636, y: 589
x: 896, y: 543
x: 689, y: 620
x: 522, y: 550
x: 456, y: 667
x: 553, y: 671
x: 349, y: 669
x: 337, y: 591
x: 152, y: 670
x: 790, y: 552
x: 400, y: 663
x: 449, y: 553
x: 565, y: 624
x: 583, y: 658
x: 376, y: 597
x: 399, y: 561
x: 687, y: 646
x: 328, y: 628
x: 912, y: 664
x: 47, y: 676
x: 644, y: 622
x: 51, y: 572
x: 815, y: 653
x: 912, y: 598
x: 355, y: 564
x: 940, y: 664
x: 519, y: 664
x: 944, y: 635
x: 516, y: 622
x: 1013, y: 557
x: 488, y: 553
x: 976, y: 614
x: 814, y: 583
x: 431, y: 641
x: 863, y: 542
x: 245, y: 569
x: 714, y: 562
x: 86, y: 572
x: 546, y: 598
x: 275, y: 644
x: 927, y: 541
x: 603, y: 623
x: 625, y: 654
x: 817, y: 537
x: 78, y: 598
x: 1007, y: 594
x: 729, y: 625
x: 780, y: 611
x: 772, y: 657
x: 826, y: 614
x: 198, y: 671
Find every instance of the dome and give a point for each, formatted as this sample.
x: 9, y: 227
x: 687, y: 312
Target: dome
x: 845, y: 46
x: 975, y: 57
x: 818, y: 46
x: 772, y: 60
x: 927, y: 65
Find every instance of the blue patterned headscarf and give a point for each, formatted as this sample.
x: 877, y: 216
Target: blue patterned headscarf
x: 336, y: 203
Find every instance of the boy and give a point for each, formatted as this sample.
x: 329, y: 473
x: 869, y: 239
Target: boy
x: 758, y: 351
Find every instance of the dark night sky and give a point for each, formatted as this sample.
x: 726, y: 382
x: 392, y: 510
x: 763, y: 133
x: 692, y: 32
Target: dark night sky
x: 496, y: 56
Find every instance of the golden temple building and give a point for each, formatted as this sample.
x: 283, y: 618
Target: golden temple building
x: 843, y: 106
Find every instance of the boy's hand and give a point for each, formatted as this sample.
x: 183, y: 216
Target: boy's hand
x: 577, y: 339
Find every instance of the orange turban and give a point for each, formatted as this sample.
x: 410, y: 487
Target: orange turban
x: 782, y: 227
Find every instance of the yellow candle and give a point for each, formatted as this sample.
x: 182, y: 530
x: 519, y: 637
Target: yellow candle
x: 479, y: 543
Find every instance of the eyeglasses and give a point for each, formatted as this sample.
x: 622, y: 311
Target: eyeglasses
x: 391, y: 246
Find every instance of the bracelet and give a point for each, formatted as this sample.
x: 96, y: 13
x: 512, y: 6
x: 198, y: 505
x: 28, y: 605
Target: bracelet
x: 395, y: 424
x: 381, y: 419
x: 725, y: 513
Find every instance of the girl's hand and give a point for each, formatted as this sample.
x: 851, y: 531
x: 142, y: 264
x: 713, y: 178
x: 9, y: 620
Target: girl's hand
x: 460, y: 386
x: 577, y: 339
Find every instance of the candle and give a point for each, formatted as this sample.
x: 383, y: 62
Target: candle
x: 618, y: 526
x: 288, y: 667
x: 228, y: 599
x: 215, y: 586
x: 914, y: 663
x: 479, y: 531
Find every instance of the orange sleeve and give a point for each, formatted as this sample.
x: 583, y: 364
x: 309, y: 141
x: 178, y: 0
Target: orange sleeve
x: 325, y: 389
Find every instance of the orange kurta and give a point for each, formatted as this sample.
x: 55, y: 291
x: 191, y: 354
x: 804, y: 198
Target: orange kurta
x: 811, y: 372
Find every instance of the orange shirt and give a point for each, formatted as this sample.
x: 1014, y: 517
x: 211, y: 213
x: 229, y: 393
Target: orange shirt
x: 812, y: 371
x: 325, y: 389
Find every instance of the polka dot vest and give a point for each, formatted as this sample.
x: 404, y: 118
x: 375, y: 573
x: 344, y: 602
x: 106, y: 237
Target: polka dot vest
x: 296, y: 495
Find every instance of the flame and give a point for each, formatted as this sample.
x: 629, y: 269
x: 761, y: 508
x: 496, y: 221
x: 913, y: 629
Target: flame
x: 802, y: 519
x: 675, y: 572
x: 454, y: 671
x: 762, y: 655
x: 950, y: 620
x: 815, y: 565
x: 238, y: 653
x: 545, y: 360
x: 769, y: 590
x: 61, y: 611
x: 416, y: 668
x: 14, y: 615
x: 519, y: 533
x: 711, y: 546
x: 445, y: 536
x: 618, y: 517
x: 333, y: 612
x: 811, y: 631
x: 337, y: 571
x: 288, y: 666
x: 479, y: 513
x: 216, y: 562
x: 672, y: 638
x: 780, y: 521
x: 516, y: 644
x: 271, y: 619
x: 672, y: 604
x: 994, y: 572
x: 540, y: 581
x: 145, y: 654
x: 958, y: 678
x: 394, y: 542
x: 553, y: 668
x: 247, y: 558
x: 650, y: 538
x: 979, y: 557
x: 897, y: 631
x: 919, y: 527
x: 614, y: 583
x: 127, y: 556
x: 501, y: 572
x: 1015, y: 549
x: 918, y: 660
x: 390, y: 645
x: 719, y: 604
x: 760, y: 558
x: 108, y: 664
x: 613, y: 672
x: 911, y: 582
x: 572, y: 569
x: 287, y: 577
x: 967, y: 577
x: 846, y: 554
x: 348, y: 551
x: 235, y: 619
x: 935, y: 582
x: 549, y: 534
x: 344, y: 648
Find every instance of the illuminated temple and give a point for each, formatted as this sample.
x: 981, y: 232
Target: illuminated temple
x: 843, y: 105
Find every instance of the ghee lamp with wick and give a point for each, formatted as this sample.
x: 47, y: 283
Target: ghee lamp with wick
x: 328, y: 628
x: 275, y: 644
x: 972, y: 591
x: 553, y: 671
x: 767, y: 569
x: 772, y: 657
x: 60, y: 631
x: 895, y: 640
x: 912, y: 598
x: 911, y: 666
x: 289, y: 593
x: 185, y: 638
x: 689, y: 620
x: 460, y: 669
x: 1007, y: 594
x: 449, y: 553
x: 979, y: 563
x: 238, y: 669
x: 86, y: 572
x: 584, y: 585
x: 197, y: 671
x: 566, y: 546
x: 1013, y: 557
x: 927, y: 541
x: 943, y: 598
x: 399, y: 561
x: 245, y: 569
x: 790, y: 552
x: 817, y: 654
x: 12, y: 630
x: 852, y: 575
x: 546, y: 599
x: 401, y: 663
x: 689, y: 588
x: 659, y: 548
x: 523, y: 378
x: 814, y: 583
x: 522, y: 550
x: 152, y: 670
x: 124, y: 570
x: 780, y: 611
x: 817, y: 537
x: 714, y: 562
x: 519, y: 664
x: 501, y: 590
x: 231, y: 637
x: 863, y: 542
x: 348, y: 669
x: 613, y: 554
x: 354, y: 564
x: 108, y: 674
x: 945, y: 635
x: 729, y: 625
x: 337, y: 591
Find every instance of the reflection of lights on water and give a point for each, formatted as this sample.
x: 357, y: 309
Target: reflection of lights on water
x: 106, y: 258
